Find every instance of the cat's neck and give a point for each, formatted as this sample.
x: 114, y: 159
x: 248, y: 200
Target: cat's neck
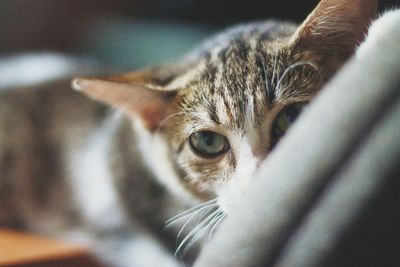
x: 123, y: 162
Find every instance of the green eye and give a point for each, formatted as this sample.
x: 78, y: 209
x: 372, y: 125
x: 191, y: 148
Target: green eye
x: 286, y: 118
x: 208, y: 144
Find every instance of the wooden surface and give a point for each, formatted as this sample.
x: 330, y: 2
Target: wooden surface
x: 22, y: 249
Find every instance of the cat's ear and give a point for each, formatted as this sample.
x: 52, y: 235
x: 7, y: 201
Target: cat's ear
x: 143, y: 93
x: 335, y: 28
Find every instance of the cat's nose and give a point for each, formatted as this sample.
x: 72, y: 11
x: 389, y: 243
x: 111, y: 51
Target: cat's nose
x: 260, y: 153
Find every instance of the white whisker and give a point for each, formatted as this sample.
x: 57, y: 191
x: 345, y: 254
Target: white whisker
x: 218, y: 220
x: 274, y: 68
x: 200, y: 233
x: 295, y: 65
x: 191, y: 217
x: 185, y: 224
x: 266, y: 77
x: 199, y: 226
x: 186, y: 213
x: 166, y: 119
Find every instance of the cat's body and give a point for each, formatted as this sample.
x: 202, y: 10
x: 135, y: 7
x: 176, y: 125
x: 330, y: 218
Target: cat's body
x: 60, y: 174
x: 72, y: 168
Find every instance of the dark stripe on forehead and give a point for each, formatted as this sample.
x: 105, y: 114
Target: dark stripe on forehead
x: 228, y: 110
x: 242, y: 48
x: 238, y: 48
x: 261, y: 65
x: 212, y: 113
x: 209, y: 75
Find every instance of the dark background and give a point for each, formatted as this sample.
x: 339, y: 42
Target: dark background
x: 110, y: 30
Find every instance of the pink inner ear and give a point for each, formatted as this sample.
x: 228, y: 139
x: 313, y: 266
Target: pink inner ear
x: 150, y: 105
x: 152, y: 117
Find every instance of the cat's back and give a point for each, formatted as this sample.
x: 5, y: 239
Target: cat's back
x: 38, y: 124
x: 50, y: 108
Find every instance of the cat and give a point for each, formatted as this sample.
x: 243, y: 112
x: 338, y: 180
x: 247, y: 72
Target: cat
x: 188, y: 135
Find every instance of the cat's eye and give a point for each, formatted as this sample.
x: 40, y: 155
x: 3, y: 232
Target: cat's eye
x: 286, y: 118
x: 208, y: 144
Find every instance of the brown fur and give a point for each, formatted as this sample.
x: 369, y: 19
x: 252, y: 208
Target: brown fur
x: 36, y: 125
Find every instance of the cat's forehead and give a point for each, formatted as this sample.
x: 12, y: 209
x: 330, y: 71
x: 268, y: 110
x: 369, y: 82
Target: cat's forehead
x: 240, y: 80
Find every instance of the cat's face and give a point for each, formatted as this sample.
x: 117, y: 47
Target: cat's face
x: 241, y: 100
x: 207, y: 123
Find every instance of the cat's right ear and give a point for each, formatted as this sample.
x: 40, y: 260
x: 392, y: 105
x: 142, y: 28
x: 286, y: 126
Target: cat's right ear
x: 144, y: 94
x: 334, y: 29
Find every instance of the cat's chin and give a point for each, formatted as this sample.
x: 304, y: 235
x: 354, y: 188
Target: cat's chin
x: 225, y: 204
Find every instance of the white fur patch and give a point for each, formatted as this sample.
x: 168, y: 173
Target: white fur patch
x: 229, y: 194
x: 92, y: 180
x: 155, y: 154
x: 29, y: 69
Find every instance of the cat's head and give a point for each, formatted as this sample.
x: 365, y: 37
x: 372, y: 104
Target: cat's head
x: 207, y: 122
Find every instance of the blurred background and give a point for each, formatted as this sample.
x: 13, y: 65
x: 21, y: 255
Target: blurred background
x: 131, y: 34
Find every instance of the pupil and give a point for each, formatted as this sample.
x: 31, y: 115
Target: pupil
x: 292, y: 114
x: 208, y: 139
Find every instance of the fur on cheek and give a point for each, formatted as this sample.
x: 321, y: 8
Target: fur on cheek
x: 156, y: 155
x: 197, y: 175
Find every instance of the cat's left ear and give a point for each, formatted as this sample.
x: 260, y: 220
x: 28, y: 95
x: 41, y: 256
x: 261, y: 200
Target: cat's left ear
x: 144, y: 93
x: 334, y: 29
